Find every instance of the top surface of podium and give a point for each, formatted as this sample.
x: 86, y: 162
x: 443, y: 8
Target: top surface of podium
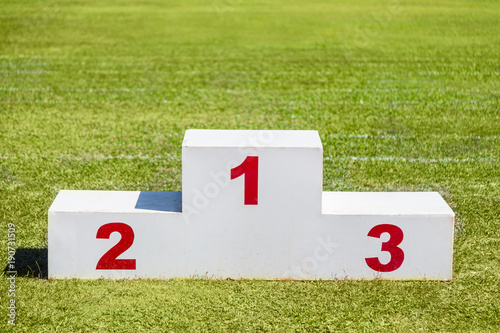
x: 385, y: 203
x: 252, y: 138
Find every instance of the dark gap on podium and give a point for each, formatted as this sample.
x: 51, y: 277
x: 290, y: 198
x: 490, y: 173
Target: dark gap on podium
x: 31, y: 262
x: 160, y: 201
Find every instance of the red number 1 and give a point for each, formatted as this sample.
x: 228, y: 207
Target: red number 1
x: 391, y: 246
x: 250, y: 168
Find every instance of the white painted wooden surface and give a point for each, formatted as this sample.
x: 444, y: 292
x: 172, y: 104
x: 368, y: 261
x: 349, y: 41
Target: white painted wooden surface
x: 293, y: 231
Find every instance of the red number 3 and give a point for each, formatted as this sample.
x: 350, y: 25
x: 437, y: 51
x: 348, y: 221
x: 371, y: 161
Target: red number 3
x: 391, y: 246
x: 108, y: 260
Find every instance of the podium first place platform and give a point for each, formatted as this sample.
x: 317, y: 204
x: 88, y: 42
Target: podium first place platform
x: 251, y: 206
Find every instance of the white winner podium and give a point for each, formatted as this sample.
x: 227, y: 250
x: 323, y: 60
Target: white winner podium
x: 251, y: 207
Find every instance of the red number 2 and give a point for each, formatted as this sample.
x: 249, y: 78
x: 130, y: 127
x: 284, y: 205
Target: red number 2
x: 108, y: 260
x: 391, y: 246
x: 250, y: 168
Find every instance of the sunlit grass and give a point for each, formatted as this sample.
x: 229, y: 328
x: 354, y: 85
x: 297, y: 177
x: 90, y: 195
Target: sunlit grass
x: 405, y: 96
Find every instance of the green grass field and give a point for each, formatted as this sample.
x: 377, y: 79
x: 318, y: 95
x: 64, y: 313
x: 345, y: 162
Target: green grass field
x: 405, y: 96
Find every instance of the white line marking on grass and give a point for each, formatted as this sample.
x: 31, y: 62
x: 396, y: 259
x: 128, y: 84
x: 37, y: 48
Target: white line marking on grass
x: 153, y: 61
x: 260, y: 73
x: 117, y: 157
x: 128, y: 89
x: 92, y: 157
x: 328, y: 158
x: 403, y: 137
x: 338, y: 102
x: 412, y: 160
